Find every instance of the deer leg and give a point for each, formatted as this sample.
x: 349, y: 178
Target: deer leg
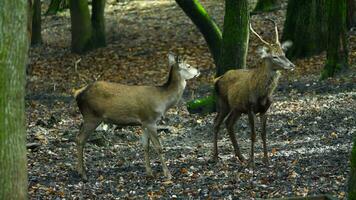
x: 230, y: 122
x: 158, y: 148
x: 146, y: 147
x: 87, y: 127
x: 252, y: 119
x: 263, y: 135
x: 222, y: 112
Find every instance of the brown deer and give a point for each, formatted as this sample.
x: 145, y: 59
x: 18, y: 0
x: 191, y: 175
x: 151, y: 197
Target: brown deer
x: 250, y: 91
x: 126, y: 105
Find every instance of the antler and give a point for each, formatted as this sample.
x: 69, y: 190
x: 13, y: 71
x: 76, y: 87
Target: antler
x: 262, y: 40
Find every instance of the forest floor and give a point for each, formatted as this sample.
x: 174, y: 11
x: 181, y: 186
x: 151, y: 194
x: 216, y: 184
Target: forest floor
x: 310, y: 124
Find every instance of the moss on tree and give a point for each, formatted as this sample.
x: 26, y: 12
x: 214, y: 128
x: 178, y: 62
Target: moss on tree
x: 13, y: 56
x: 352, y: 179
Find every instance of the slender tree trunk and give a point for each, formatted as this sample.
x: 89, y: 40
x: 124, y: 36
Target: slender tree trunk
x: 337, y: 51
x: 305, y: 25
x: 13, y: 55
x: 57, y: 5
x: 211, y: 32
x: 351, y: 14
x: 81, y: 26
x: 352, y: 178
x: 235, y: 36
x: 265, y: 6
x: 98, y: 23
x: 36, y: 37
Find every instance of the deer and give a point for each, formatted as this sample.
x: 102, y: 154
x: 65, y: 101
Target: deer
x: 249, y: 91
x: 132, y: 105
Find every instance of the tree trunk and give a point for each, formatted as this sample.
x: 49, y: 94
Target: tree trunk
x: 211, y: 32
x: 81, y: 26
x: 306, y: 27
x: 235, y: 36
x: 352, y: 178
x: 57, y: 5
x: 265, y: 6
x: 351, y: 14
x: 13, y: 55
x: 98, y: 23
x: 36, y: 37
x: 337, y: 51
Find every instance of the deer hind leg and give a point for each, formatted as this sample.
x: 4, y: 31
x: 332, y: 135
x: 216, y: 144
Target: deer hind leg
x: 87, y: 127
x: 152, y: 130
x: 252, y: 119
x: 263, y: 135
x: 222, y: 113
x: 146, y: 147
x: 230, y: 122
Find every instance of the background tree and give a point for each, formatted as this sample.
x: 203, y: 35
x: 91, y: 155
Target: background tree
x: 351, y: 14
x: 36, y: 37
x: 87, y: 33
x: 337, y: 52
x: 57, y: 5
x: 265, y: 6
x: 305, y: 25
x: 352, y: 179
x: 13, y: 55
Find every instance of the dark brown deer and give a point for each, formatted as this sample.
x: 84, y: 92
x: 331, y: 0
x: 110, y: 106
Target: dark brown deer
x: 132, y: 105
x: 250, y: 91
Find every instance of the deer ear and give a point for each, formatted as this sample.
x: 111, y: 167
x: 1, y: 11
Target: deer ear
x: 263, y: 52
x: 286, y: 45
x: 171, y: 59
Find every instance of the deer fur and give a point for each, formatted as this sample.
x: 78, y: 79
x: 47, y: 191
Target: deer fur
x: 126, y: 105
x: 249, y: 91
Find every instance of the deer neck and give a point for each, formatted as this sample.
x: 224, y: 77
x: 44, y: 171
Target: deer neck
x: 267, y: 78
x: 173, y: 89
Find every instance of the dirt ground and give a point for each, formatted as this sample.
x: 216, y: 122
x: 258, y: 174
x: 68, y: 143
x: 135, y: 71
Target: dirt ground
x: 310, y: 125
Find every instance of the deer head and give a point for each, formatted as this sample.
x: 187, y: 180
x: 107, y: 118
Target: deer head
x: 274, y: 52
x: 185, y: 70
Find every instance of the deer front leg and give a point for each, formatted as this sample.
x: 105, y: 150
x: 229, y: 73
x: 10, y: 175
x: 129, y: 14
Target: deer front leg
x: 252, y: 119
x: 146, y: 148
x: 263, y: 135
x: 158, y: 148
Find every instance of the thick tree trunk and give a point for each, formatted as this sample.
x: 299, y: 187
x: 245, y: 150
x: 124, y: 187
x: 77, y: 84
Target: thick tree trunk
x: 265, y: 6
x: 36, y: 37
x: 98, y: 23
x: 211, y: 32
x: 337, y: 51
x: 13, y: 55
x: 352, y: 178
x: 235, y: 36
x: 81, y: 26
x: 305, y: 26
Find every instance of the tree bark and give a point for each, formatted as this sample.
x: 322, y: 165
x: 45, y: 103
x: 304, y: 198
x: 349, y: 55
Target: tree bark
x: 265, y: 6
x: 211, y: 32
x: 36, y: 37
x: 81, y: 26
x: 98, y: 23
x: 13, y: 55
x: 306, y: 26
x: 337, y: 52
x: 235, y: 36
